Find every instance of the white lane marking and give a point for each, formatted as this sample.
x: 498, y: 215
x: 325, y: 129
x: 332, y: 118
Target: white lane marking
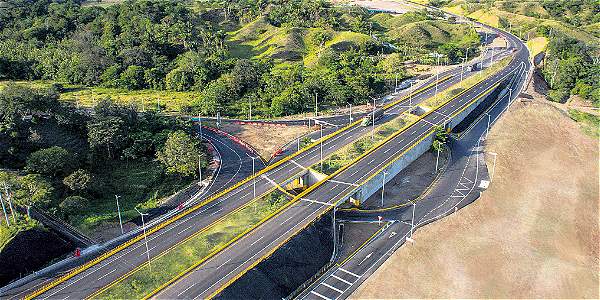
x: 297, y: 164
x: 224, y: 263
x: 188, y: 227
x: 386, y: 151
x: 323, y: 297
x: 289, y: 218
x: 315, y: 201
x: 340, y: 279
x: 217, y: 211
x: 352, y: 184
x: 348, y: 137
x: 333, y: 288
x: 183, y: 292
x: 413, y: 132
x: 348, y: 272
x: 100, y: 278
x: 372, y: 160
x: 260, y: 238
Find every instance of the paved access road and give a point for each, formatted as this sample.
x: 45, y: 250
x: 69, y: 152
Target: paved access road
x: 107, y: 271
x: 458, y: 187
x: 222, y: 269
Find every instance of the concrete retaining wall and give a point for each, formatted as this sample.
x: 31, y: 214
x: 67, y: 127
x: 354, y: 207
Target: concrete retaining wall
x: 374, y: 184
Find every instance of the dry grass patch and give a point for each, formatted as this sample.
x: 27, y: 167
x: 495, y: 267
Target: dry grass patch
x: 533, y: 233
x: 266, y: 139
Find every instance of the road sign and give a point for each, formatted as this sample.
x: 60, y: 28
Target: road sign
x: 77, y: 252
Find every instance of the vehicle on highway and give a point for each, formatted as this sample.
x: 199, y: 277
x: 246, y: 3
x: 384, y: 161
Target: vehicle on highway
x: 366, y: 121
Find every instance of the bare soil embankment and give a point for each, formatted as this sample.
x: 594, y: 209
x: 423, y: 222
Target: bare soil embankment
x: 533, y: 234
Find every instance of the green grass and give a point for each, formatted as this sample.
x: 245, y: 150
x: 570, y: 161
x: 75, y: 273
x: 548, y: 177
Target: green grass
x: 170, y: 101
x: 140, y: 184
x: 350, y: 152
x: 590, y: 122
x: 468, y: 82
x: 537, y: 45
x: 8, y: 233
x: 199, y: 246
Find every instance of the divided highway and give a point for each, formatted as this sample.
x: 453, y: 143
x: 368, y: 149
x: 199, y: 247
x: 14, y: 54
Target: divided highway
x: 214, y: 275
x: 119, y: 262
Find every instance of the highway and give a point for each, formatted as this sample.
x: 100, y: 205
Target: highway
x: 117, y: 263
x: 225, y: 267
x: 457, y: 187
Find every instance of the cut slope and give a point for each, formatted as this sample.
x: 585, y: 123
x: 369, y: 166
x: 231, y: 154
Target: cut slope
x: 532, y: 234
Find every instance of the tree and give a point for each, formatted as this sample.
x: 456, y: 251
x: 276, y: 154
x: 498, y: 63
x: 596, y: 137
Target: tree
x: 106, y: 132
x: 78, y: 181
x: 73, y: 205
x: 50, y: 161
x: 441, y: 136
x: 180, y: 154
x: 33, y: 190
x: 132, y: 78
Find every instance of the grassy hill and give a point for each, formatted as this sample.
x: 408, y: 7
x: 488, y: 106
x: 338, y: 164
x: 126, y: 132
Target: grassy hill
x: 259, y: 39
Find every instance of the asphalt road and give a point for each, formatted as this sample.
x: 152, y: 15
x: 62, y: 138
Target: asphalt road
x: 115, y: 267
x: 107, y: 271
x: 226, y: 266
x: 458, y: 187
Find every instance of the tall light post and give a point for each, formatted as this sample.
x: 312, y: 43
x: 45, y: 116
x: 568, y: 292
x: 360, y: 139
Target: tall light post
x: 316, y: 106
x: 119, y: 213
x: 383, y: 187
x: 412, y: 223
x: 487, y: 131
x: 200, y: 125
x: 350, y: 115
x: 494, y: 165
x: 437, y: 159
x: 321, y: 146
x: 200, y: 168
x: 410, y: 95
x: 253, y: 175
x: 145, y: 236
x: 250, y: 108
x: 4, y: 210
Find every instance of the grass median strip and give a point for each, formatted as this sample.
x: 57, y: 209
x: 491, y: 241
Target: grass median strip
x: 195, y: 249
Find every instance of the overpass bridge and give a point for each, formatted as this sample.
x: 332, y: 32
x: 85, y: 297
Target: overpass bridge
x: 224, y: 267
x: 358, y: 180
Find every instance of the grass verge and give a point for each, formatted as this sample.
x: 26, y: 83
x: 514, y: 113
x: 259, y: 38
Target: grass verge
x: 187, y: 254
x: 350, y: 152
x: 591, y: 123
x: 465, y: 84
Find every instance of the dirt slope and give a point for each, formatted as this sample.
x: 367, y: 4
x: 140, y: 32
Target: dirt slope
x: 533, y: 234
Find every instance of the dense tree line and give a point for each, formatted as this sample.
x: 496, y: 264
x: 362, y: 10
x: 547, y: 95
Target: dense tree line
x: 56, y: 149
x: 570, y: 69
x: 166, y: 45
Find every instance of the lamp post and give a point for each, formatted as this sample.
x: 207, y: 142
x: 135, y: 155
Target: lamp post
x: 383, y: 187
x: 412, y: 223
x: 119, y: 213
x: 253, y: 176
x: 350, y: 116
x: 494, y: 165
x: 321, y: 146
x: 145, y: 237
x: 200, y: 169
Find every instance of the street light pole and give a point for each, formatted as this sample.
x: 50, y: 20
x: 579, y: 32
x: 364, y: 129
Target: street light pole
x: 350, y: 112
x: 410, y: 95
x: 200, y: 169
x: 145, y: 237
x: 383, y: 187
x: 437, y: 159
x: 4, y: 210
x: 316, y: 106
x: 253, y: 176
x: 494, y: 166
x: 321, y: 147
x: 412, y: 221
x: 200, y: 123
x: 119, y: 213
